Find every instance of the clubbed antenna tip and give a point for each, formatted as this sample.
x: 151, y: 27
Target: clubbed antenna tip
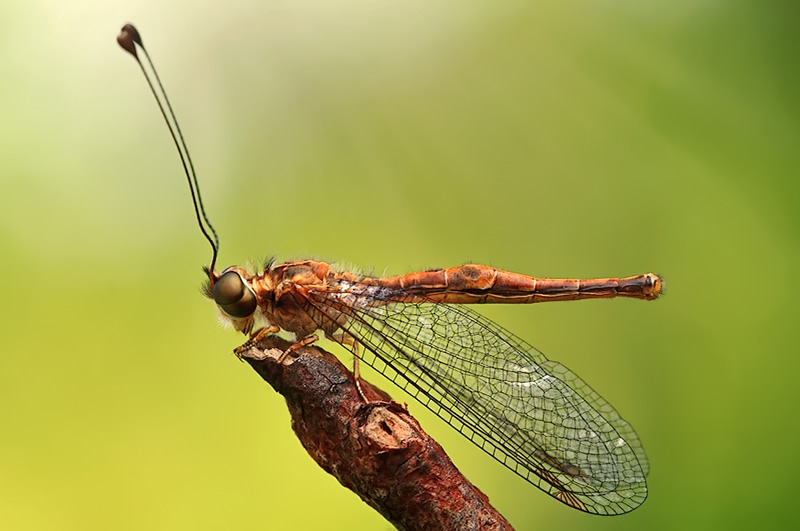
x: 128, y: 37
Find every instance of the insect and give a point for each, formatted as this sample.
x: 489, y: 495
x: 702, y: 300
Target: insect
x: 531, y: 414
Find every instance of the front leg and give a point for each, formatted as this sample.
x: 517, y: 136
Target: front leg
x: 255, y: 337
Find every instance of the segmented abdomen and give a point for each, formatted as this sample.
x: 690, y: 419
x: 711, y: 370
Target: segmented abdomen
x: 483, y: 284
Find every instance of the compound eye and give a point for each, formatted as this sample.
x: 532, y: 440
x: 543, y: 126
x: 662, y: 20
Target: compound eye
x: 233, y: 296
x: 228, y: 289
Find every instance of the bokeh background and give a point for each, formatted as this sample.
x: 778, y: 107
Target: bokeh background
x: 568, y: 138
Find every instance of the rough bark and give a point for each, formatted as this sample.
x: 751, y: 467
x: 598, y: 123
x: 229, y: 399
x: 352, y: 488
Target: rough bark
x: 376, y: 449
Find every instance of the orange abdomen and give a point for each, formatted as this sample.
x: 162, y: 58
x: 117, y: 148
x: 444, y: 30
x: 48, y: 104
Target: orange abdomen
x: 483, y: 284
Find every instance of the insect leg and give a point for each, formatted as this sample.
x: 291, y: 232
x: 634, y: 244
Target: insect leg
x: 302, y: 343
x: 255, y: 337
x: 345, y: 339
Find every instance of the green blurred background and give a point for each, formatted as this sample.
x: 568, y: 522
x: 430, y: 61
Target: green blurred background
x: 569, y: 138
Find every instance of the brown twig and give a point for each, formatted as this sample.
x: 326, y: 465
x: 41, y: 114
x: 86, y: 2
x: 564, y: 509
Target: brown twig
x: 376, y: 449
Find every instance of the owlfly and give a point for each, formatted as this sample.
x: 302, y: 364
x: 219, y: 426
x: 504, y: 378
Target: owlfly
x: 531, y: 414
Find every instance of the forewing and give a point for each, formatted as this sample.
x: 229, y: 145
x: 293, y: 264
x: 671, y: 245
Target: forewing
x: 533, y: 415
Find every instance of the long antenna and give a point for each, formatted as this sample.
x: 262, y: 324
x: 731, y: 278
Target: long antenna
x: 129, y: 38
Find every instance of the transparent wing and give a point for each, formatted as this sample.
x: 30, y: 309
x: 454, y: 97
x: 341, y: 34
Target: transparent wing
x: 533, y: 415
